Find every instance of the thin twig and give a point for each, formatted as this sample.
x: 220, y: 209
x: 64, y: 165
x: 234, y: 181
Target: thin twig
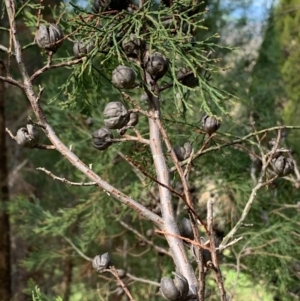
x: 10, y: 134
x: 39, y: 14
x: 40, y: 146
x: 142, y: 237
x: 45, y: 146
x: 136, y: 170
x: 193, y: 242
x: 188, y: 165
x: 142, y: 280
x: 230, y: 244
x: 151, y: 177
x: 77, y: 250
x: 213, y: 251
x: 129, y: 138
x: 41, y: 89
x: 122, y: 284
x: 236, y: 141
x: 48, y: 66
x: 247, y: 207
x: 4, y: 49
x: 136, y: 105
x: 54, y: 177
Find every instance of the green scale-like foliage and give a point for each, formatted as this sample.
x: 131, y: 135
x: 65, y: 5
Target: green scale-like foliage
x: 287, y: 23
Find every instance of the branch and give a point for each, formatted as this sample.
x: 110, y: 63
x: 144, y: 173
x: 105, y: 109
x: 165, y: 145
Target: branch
x: 135, y: 104
x: 49, y: 66
x: 40, y: 146
x: 187, y: 199
x: 163, y: 176
x: 152, y: 178
x: 54, y: 177
x: 136, y: 170
x: 77, y: 250
x: 4, y: 49
x: 142, y: 237
x: 59, y: 145
x: 130, y: 138
x: 213, y: 251
x: 247, y: 208
x: 221, y: 248
x: 115, y: 273
x: 190, y: 241
x: 12, y: 82
x: 236, y: 141
x: 142, y: 280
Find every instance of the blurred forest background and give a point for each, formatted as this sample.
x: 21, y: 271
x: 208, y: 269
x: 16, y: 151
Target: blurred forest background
x: 53, y: 227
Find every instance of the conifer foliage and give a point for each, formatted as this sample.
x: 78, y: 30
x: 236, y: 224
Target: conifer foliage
x: 125, y: 105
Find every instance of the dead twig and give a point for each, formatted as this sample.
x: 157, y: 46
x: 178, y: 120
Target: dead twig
x: 54, y: 177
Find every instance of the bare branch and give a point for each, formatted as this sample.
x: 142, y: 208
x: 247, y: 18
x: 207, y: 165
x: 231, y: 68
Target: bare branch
x: 10, y: 134
x: 3, y: 48
x: 41, y: 89
x: 187, y: 199
x: 44, y: 146
x: 12, y: 81
x: 152, y: 178
x: 197, y: 244
x: 77, y: 250
x: 136, y: 170
x: 142, y: 237
x: 142, y: 280
x: 124, y: 287
x: 213, y: 251
x: 188, y: 165
x: 230, y: 244
x: 234, y: 142
x: 48, y: 66
x: 54, y: 177
x: 130, y: 138
x: 163, y: 176
x: 135, y: 104
x: 247, y: 207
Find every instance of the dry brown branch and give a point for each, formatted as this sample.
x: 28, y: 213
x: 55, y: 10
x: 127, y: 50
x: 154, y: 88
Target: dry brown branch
x: 197, y: 244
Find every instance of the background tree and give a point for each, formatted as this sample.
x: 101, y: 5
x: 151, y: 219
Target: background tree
x: 287, y: 19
